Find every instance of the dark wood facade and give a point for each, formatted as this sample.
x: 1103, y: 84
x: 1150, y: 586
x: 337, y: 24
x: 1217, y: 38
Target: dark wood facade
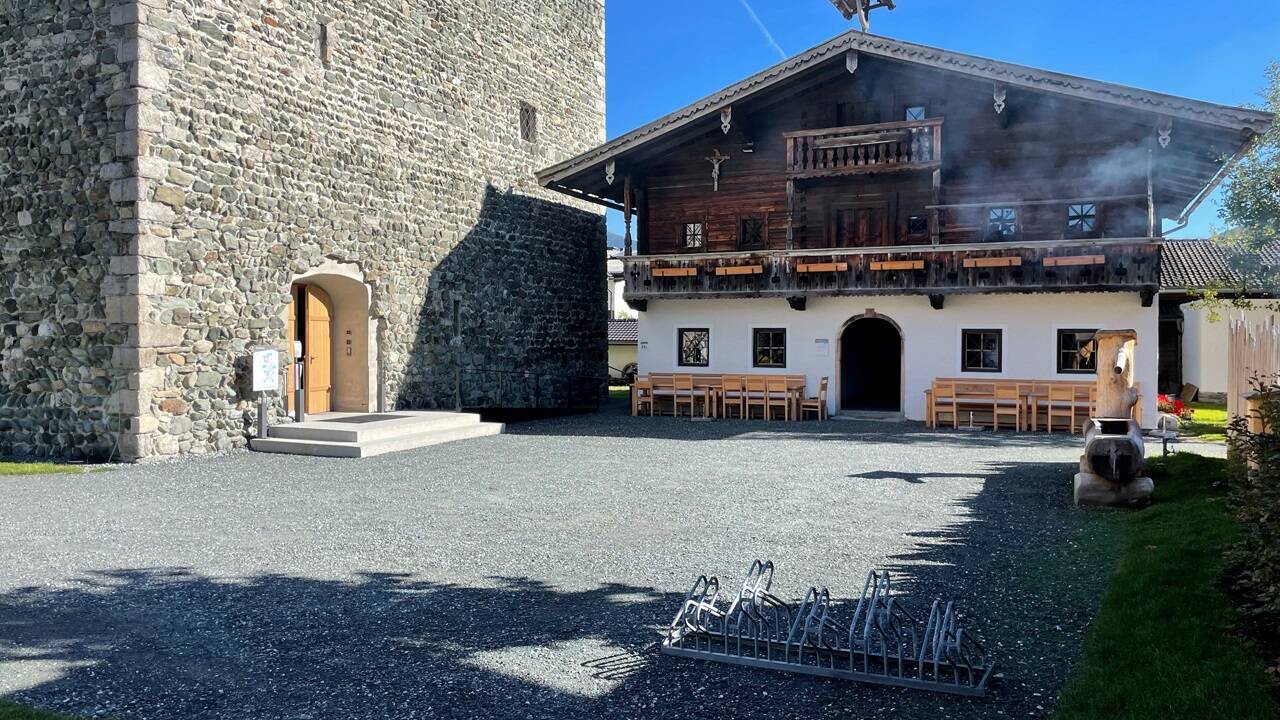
x: 904, y: 169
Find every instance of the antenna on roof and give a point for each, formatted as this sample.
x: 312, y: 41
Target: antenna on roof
x: 862, y: 9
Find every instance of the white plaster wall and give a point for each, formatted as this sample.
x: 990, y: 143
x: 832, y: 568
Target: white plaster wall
x: 619, y: 357
x: 931, y: 338
x: 1205, y: 343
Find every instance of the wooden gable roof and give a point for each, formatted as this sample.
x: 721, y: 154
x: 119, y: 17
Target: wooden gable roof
x: 1220, y: 126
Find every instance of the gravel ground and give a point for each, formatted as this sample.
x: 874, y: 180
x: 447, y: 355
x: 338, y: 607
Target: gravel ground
x: 525, y: 575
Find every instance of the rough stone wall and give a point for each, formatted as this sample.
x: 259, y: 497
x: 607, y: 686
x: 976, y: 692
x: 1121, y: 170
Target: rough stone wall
x: 278, y: 136
x: 63, y: 66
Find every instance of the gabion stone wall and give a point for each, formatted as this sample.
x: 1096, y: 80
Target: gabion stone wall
x: 243, y: 145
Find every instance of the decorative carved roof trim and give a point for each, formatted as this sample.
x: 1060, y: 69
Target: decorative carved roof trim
x: 1213, y: 114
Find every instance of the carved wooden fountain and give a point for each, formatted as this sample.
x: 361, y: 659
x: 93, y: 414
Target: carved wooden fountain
x: 1111, y: 469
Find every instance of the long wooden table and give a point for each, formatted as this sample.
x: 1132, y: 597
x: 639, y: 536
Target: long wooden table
x: 1034, y: 396
x: 711, y: 389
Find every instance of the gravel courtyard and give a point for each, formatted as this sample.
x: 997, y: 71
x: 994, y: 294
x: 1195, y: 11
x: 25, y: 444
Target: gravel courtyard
x: 525, y: 575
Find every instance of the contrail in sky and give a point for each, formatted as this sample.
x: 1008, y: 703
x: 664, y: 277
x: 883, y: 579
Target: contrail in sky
x: 763, y: 30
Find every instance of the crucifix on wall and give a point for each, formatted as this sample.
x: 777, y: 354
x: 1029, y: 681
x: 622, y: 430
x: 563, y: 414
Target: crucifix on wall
x: 716, y: 159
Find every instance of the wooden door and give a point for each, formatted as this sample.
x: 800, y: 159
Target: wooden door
x: 317, y: 346
x: 861, y: 225
x: 291, y: 333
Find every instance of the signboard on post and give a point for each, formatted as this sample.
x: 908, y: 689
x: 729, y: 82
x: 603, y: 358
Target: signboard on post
x: 266, y: 370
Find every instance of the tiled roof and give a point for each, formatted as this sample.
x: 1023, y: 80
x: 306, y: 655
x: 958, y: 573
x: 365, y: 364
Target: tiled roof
x: 624, y: 332
x: 1200, y: 264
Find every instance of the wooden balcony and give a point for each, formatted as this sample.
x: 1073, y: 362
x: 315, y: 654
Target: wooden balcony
x: 1131, y: 264
x: 886, y: 147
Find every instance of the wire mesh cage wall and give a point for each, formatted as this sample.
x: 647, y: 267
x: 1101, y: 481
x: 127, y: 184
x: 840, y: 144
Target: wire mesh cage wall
x: 883, y: 642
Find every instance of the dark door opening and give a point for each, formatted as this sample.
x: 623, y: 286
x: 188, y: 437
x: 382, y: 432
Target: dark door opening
x: 871, y: 366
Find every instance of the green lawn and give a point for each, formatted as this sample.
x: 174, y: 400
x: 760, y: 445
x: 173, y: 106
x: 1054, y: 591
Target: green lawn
x: 619, y: 392
x: 10, y: 711
x: 36, y: 468
x: 1209, y: 422
x: 1163, y: 644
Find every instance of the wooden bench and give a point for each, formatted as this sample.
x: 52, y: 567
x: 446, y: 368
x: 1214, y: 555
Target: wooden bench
x: 987, y: 402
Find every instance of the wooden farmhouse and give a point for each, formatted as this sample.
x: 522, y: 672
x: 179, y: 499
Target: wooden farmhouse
x: 884, y: 213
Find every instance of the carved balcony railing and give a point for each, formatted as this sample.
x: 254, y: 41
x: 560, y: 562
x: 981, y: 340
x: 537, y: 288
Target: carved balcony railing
x: 938, y: 270
x: 906, y: 145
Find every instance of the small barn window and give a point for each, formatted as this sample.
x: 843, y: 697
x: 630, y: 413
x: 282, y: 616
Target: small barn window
x: 918, y: 225
x: 694, y: 347
x: 752, y: 234
x: 915, y: 112
x: 769, y: 347
x: 980, y: 350
x: 1002, y: 223
x: 326, y: 43
x: 1082, y: 220
x: 692, y: 236
x: 528, y: 122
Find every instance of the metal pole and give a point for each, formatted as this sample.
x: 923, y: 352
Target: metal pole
x: 262, y: 414
x: 457, y: 388
x: 298, y: 396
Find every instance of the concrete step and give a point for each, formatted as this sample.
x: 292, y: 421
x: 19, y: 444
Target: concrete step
x: 375, y: 437
x: 331, y: 428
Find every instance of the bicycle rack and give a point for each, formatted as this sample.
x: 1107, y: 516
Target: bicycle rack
x: 883, y: 643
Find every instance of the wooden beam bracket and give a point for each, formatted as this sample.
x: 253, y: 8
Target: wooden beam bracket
x: 936, y: 301
x: 797, y: 302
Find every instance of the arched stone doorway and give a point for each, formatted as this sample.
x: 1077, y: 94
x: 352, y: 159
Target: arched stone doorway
x: 870, y: 365
x: 329, y: 314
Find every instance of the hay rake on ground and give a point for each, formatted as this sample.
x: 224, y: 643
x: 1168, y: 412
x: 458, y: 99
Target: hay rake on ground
x: 883, y: 643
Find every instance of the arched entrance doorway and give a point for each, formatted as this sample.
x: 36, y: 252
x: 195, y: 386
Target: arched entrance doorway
x: 329, y: 315
x: 871, y: 365
x: 311, y: 323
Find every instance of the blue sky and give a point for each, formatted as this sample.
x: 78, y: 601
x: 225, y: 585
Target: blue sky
x: 664, y: 54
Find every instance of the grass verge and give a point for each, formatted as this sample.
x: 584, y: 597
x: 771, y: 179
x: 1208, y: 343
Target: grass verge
x: 1208, y: 423
x: 1164, y: 644
x: 36, y: 468
x: 11, y: 711
x: 619, y: 392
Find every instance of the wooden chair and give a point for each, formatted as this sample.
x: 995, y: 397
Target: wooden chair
x: 777, y: 396
x: 734, y: 395
x: 1006, y: 402
x: 642, y: 396
x: 1083, y: 407
x: 1062, y: 405
x: 816, y: 405
x: 944, y: 403
x: 757, y: 395
x: 684, y: 393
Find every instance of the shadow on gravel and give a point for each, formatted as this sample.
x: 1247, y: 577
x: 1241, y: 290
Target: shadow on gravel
x: 610, y: 424
x: 172, y: 643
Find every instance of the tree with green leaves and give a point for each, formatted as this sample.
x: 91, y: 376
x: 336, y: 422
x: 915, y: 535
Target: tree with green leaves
x: 1251, y: 211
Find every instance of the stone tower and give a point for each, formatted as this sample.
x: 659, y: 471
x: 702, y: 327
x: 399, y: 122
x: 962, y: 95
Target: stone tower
x: 171, y: 169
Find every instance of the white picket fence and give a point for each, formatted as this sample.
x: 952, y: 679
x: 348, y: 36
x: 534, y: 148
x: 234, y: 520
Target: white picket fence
x: 1254, y: 352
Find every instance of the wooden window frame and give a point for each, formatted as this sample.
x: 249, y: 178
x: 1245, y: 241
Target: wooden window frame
x: 680, y: 359
x: 1096, y: 232
x: 964, y: 349
x: 684, y: 236
x: 988, y: 235
x: 742, y: 232
x: 1061, y: 352
x: 755, y: 347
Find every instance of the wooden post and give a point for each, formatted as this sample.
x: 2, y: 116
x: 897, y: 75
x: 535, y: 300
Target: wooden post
x: 791, y: 212
x: 935, y: 218
x: 626, y: 215
x: 1116, y: 365
x: 1151, y: 202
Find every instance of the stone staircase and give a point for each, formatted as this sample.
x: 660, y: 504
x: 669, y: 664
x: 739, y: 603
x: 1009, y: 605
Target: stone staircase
x: 359, y: 435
